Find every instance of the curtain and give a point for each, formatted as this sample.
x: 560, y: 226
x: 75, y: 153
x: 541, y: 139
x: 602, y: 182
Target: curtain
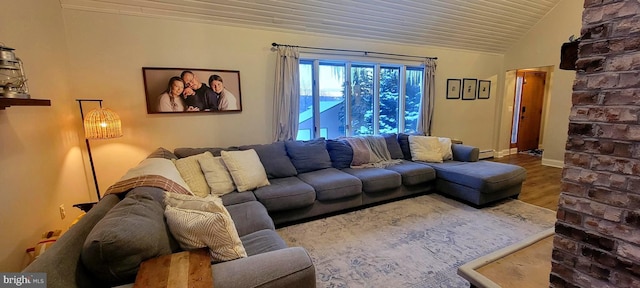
x: 287, y: 94
x: 425, y: 115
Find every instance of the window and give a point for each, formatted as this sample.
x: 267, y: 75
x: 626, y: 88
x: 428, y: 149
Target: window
x: 343, y: 98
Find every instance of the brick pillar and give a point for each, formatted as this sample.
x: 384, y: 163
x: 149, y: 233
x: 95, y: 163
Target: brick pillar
x: 597, y: 242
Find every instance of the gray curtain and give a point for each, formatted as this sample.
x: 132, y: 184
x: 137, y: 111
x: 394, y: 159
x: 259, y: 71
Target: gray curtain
x: 287, y: 94
x: 428, y: 97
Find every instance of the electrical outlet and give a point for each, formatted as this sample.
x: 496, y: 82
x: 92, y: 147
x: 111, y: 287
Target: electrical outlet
x: 63, y: 213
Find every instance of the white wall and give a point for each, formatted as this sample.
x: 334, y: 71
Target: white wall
x: 107, y: 53
x: 39, y: 156
x: 541, y: 47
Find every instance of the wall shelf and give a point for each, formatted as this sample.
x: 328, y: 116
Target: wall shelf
x: 8, y: 102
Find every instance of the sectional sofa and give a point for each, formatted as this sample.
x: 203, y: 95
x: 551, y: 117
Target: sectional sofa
x: 306, y: 179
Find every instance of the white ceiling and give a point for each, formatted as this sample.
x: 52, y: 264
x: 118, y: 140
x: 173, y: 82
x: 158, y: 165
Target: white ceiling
x: 480, y: 25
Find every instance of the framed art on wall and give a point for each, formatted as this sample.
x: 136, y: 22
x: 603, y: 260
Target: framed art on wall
x: 484, y: 89
x: 189, y: 90
x: 453, y: 88
x: 469, y: 87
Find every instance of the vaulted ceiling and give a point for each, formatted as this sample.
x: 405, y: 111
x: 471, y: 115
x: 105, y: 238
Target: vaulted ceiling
x: 479, y: 25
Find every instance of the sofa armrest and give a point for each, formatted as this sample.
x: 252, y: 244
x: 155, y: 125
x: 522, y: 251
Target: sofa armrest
x: 62, y: 261
x: 465, y: 153
x: 290, y: 267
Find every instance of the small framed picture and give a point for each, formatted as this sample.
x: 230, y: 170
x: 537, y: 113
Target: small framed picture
x: 484, y: 89
x: 453, y: 88
x: 469, y: 87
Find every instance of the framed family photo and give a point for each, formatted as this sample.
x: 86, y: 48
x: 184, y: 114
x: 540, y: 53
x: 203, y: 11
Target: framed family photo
x: 453, y: 88
x: 191, y: 90
x: 469, y: 87
x: 484, y: 89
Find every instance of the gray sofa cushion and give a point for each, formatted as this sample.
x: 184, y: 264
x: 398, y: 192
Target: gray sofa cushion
x: 393, y: 146
x: 332, y: 184
x: 236, y: 197
x: 376, y: 179
x: 413, y: 173
x: 484, y: 176
x: 285, y: 193
x: 262, y: 241
x: 341, y: 153
x: 274, y: 158
x: 250, y: 217
x: 132, y: 231
x: 308, y: 156
x: 186, y: 152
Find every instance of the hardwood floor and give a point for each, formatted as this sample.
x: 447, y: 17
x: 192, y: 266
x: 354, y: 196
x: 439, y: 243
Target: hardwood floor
x: 542, y: 186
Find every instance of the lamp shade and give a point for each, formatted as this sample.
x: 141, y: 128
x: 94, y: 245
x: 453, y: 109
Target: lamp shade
x: 102, y: 123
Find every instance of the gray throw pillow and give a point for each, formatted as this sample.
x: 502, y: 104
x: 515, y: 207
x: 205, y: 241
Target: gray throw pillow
x: 340, y: 152
x: 133, y: 231
x: 308, y: 156
x: 393, y: 146
x: 274, y: 158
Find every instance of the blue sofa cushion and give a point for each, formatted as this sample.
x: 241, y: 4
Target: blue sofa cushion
x: 341, y: 153
x: 285, y: 193
x: 393, y: 146
x: 308, y: 156
x: 274, y: 158
x: 262, y: 241
x: 483, y: 176
x: 376, y: 179
x: 332, y: 184
x: 133, y: 231
x: 250, y: 217
x: 413, y: 173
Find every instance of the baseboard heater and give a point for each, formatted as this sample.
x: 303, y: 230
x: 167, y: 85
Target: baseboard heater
x: 484, y: 154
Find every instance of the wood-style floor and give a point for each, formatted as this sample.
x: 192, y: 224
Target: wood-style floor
x: 542, y: 186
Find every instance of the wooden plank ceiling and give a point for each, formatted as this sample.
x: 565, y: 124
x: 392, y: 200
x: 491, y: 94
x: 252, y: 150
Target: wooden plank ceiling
x: 478, y: 25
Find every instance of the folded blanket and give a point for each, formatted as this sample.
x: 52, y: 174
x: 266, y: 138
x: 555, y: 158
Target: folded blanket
x: 370, y: 151
x: 152, y: 172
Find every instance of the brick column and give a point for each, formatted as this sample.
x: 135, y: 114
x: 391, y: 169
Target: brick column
x: 597, y: 241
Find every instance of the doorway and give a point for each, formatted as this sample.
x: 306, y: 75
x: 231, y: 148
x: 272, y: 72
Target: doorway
x: 528, y: 108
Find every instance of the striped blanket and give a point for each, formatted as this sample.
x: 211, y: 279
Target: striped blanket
x: 152, y: 172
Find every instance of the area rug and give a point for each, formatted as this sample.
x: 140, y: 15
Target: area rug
x: 416, y: 242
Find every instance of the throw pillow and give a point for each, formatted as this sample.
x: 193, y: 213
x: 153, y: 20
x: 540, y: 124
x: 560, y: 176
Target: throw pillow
x: 425, y: 148
x: 162, y: 153
x: 340, y: 153
x: 216, y: 174
x: 191, y: 172
x: 131, y: 232
x: 196, y: 229
x: 308, y: 156
x: 246, y: 169
x: 393, y: 146
x: 274, y: 158
x: 211, y: 203
x: 447, y: 153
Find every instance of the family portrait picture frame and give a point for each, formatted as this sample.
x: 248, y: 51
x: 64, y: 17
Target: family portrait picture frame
x: 453, y: 88
x: 191, y: 90
x: 469, y: 88
x: 484, y: 89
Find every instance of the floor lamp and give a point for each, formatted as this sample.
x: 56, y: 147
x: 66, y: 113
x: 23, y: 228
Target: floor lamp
x: 99, y: 123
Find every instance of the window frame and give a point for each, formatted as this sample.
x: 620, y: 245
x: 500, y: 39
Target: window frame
x: 348, y: 65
